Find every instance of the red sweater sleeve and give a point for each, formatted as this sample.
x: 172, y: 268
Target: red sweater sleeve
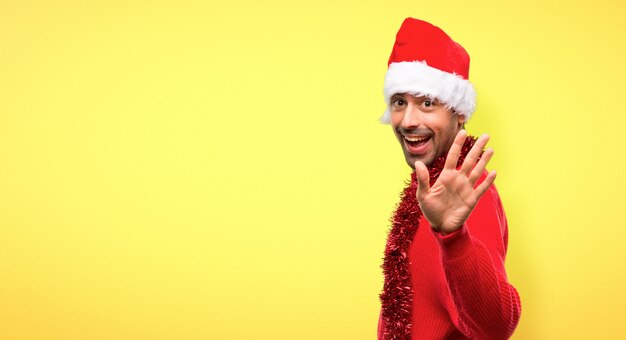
x: 486, y: 305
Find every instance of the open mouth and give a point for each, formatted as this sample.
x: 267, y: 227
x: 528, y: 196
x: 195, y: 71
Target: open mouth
x: 416, y: 141
x: 416, y: 144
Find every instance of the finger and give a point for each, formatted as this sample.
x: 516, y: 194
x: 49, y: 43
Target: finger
x: 480, y: 166
x: 472, y: 156
x: 455, y: 150
x: 423, y: 178
x: 482, y: 188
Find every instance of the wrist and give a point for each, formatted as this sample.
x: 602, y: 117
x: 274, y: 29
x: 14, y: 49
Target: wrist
x: 444, y: 232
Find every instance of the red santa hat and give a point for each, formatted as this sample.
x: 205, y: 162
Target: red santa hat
x: 425, y: 61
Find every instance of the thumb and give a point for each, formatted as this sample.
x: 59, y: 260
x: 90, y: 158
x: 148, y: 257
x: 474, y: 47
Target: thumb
x: 423, y: 178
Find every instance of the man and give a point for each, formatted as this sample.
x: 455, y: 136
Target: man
x: 444, y: 259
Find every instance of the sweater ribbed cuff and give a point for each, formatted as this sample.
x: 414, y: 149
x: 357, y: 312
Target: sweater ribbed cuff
x: 456, y: 244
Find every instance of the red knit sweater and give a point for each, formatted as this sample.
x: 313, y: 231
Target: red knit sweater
x: 460, y: 288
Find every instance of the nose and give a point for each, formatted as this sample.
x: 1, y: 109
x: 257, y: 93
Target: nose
x: 412, y: 116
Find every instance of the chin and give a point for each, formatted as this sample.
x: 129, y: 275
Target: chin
x: 427, y: 159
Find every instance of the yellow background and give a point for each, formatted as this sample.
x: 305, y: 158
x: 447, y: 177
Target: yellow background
x: 215, y: 170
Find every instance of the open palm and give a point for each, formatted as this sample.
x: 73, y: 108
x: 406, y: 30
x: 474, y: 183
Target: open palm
x: 449, y: 201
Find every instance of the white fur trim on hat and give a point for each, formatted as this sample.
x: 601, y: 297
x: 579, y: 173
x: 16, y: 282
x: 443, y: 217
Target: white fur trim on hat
x: 417, y: 78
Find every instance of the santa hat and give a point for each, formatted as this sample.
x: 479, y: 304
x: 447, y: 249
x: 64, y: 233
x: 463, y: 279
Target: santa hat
x: 425, y: 61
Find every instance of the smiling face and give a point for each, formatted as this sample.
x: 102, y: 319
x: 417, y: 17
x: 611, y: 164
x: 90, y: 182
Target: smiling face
x: 424, y: 127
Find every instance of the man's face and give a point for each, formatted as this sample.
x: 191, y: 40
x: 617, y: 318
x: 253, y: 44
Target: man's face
x: 423, y: 126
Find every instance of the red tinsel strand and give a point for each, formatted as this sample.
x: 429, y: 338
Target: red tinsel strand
x: 397, y: 295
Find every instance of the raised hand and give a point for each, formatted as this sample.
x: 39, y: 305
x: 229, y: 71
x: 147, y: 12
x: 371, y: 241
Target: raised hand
x: 449, y: 202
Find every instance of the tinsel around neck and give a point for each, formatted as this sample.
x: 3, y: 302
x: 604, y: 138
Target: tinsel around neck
x: 397, y: 295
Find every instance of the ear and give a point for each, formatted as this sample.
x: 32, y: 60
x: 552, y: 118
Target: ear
x: 460, y: 120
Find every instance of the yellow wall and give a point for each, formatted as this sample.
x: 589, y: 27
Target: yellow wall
x: 195, y: 170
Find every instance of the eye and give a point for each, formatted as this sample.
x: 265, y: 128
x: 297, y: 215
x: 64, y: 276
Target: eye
x: 429, y: 104
x: 397, y: 103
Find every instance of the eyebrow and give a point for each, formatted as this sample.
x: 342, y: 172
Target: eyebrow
x: 420, y: 98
